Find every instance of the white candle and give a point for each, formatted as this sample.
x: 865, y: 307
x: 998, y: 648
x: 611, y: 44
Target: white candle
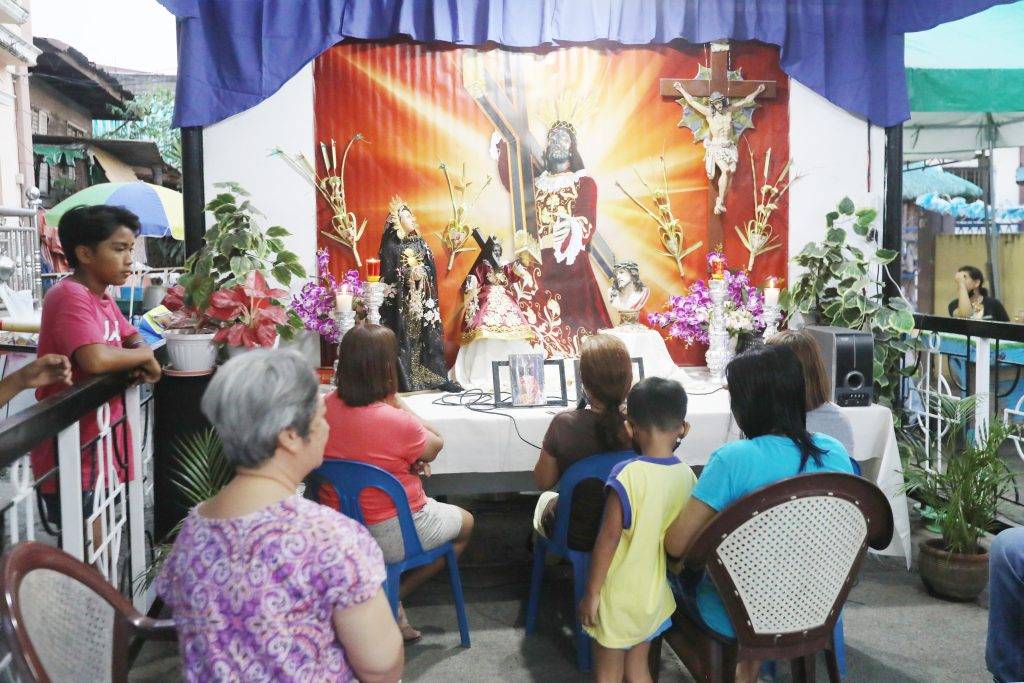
x: 771, y: 296
x: 344, y: 301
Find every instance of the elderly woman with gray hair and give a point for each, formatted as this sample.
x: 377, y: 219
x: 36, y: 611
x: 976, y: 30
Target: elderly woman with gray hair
x: 265, y: 585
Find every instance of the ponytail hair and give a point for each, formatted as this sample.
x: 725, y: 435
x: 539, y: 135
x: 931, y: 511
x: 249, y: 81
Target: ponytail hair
x: 606, y: 371
x: 975, y: 274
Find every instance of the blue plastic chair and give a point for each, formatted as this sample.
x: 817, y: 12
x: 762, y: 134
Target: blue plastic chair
x: 349, y: 479
x: 595, y: 467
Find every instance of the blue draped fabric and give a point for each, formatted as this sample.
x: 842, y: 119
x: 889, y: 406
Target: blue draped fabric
x: 233, y: 54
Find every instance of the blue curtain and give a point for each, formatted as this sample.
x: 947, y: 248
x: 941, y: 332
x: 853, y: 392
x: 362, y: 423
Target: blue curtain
x: 233, y: 54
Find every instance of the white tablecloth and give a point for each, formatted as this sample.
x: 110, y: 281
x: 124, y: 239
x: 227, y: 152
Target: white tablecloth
x: 483, y: 442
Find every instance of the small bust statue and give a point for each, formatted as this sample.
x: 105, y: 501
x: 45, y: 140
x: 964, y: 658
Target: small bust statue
x: 628, y: 293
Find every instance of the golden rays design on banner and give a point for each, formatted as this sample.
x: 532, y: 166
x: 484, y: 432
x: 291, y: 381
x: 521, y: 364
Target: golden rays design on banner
x: 491, y: 110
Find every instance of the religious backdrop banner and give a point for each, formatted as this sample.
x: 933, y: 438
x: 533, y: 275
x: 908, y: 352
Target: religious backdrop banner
x: 572, y: 160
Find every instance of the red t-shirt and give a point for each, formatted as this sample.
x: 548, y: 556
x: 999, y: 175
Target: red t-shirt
x: 73, y: 317
x: 382, y: 435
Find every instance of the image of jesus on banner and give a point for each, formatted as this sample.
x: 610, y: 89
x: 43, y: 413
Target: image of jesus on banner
x: 559, y: 294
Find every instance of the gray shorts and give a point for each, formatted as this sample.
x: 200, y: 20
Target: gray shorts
x: 435, y: 523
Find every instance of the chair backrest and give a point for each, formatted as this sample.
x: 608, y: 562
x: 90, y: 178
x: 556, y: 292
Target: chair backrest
x: 349, y: 479
x: 783, y: 558
x: 63, y: 621
x: 594, y: 467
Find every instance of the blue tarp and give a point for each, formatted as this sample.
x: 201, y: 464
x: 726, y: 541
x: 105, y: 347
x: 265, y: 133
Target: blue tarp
x: 234, y: 54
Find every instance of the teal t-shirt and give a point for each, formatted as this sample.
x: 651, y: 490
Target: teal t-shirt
x: 741, y: 467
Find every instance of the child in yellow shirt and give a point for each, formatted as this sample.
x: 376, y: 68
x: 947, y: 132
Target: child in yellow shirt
x: 628, y: 601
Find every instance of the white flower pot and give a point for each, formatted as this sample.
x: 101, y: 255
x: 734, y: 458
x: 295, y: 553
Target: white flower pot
x: 190, y: 352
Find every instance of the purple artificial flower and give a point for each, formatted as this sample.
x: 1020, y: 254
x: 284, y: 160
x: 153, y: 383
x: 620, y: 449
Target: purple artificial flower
x: 687, y: 316
x: 315, y: 302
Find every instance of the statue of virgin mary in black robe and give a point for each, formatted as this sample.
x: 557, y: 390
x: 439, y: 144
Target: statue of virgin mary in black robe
x: 411, y: 305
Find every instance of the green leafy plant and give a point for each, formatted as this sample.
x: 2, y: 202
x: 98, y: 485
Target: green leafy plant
x: 201, y: 472
x: 965, y: 496
x: 840, y: 286
x: 235, y: 247
x: 148, y: 116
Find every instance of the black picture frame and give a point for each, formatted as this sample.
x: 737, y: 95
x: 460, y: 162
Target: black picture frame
x: 496, y: 366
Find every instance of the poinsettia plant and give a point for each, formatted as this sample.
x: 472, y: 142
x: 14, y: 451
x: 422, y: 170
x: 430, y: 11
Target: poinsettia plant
x: 249, y: 312
x: 316, y: 301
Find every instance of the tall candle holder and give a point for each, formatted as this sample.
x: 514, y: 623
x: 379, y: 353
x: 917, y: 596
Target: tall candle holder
x: 346, y: 321
x: 373, y: 291
x: 772, y: 309
x: 772, y: 315
x: 718, y: 355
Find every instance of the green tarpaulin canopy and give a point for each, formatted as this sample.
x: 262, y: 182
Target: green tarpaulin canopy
x: 52, y: 154
x: 966, y: 85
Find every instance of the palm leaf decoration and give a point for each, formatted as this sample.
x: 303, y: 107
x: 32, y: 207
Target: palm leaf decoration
x: 201, y: 471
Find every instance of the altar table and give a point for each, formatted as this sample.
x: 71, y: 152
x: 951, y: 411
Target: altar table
x: 484, y: 452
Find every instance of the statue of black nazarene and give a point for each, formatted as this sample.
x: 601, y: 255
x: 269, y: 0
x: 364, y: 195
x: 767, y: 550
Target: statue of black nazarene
x: 411, y: 306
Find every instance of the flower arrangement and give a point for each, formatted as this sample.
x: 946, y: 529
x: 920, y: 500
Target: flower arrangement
x: 457, y: 232
x: 316, y: 301
x: 757, y: 234
x: 670, y: 229
x: 346, y: 230
x: 687, y: 316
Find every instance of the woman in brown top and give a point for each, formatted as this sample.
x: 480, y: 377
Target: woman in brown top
x: 607, y: 374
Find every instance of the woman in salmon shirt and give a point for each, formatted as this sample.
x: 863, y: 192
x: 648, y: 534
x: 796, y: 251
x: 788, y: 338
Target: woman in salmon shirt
x: 370, y: 424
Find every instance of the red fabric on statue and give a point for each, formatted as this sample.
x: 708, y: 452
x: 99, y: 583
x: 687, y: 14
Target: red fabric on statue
x: 491, y: 312
x: 560, y: 296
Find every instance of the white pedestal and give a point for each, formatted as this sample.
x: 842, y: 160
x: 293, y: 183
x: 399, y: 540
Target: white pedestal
x: 473, y: 364
x: 643, y: 342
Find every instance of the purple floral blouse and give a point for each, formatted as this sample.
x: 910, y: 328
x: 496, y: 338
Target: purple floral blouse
x: 253, y: 596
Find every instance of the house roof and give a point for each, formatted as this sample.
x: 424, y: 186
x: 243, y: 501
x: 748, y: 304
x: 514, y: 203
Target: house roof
x: 132, y: 152
x: 77, y: 78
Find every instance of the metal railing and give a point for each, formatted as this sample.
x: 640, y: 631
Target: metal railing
x: 20, y: 261
x: 101, y: 520
x: 961, y: 358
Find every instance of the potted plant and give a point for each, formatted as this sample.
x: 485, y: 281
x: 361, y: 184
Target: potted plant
x: 841, y: 286
x: 964, y: 497
x: 234, y: 248
x: 687, y: 316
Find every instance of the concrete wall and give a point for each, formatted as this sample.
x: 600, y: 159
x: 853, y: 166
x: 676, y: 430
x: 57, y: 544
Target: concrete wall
x: 830, y: 149
x: 238, y: 149
x: 60, y: 110
x: 12, y: 182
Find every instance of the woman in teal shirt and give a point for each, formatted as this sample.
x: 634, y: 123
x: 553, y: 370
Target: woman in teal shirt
x: 766, y: 391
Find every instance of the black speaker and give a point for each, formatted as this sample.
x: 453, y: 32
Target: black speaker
x: 849, y: 360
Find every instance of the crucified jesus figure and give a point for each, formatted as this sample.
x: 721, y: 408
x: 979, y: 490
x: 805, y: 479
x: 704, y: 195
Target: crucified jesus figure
x: 720, y: 151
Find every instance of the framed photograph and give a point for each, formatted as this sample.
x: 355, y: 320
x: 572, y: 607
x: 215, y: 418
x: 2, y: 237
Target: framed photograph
x: 527, y: 379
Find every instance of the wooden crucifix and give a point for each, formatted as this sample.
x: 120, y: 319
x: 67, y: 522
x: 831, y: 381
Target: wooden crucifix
x: 715, y: 122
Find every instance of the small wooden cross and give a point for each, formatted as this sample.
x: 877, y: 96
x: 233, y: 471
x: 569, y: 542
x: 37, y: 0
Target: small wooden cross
x: 719, y: 82
x: 486, y: 251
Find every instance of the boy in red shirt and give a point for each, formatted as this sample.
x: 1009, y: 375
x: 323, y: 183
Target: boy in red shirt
x: 81, y: 322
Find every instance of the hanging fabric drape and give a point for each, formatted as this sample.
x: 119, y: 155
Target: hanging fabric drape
x: 233, y: 55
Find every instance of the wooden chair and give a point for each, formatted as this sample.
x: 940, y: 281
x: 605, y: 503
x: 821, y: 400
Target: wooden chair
x: 783, y: 559
x: 64, y: 622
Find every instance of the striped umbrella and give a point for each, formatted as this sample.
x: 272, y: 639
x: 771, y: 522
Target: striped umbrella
x: 160, y: 209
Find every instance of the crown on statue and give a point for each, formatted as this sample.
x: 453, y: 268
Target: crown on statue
x: 568, y: 112
x: 395, y: 206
